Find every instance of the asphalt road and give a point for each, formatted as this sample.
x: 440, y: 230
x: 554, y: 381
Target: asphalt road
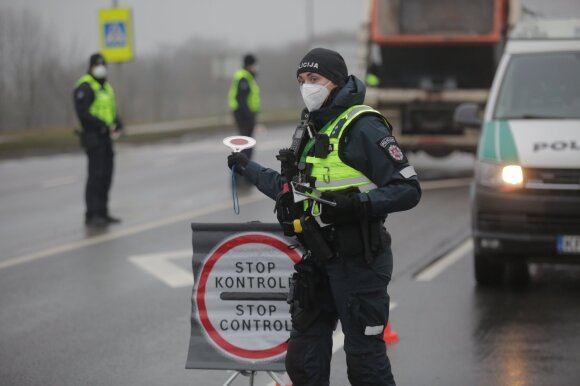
x: 75, y: 308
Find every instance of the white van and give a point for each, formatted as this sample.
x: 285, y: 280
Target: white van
x: 526, y: 191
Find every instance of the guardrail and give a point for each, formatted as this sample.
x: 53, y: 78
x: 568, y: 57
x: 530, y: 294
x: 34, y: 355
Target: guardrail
x: 210, y: 123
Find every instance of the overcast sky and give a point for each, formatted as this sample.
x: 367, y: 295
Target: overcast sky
x: 247, y: 24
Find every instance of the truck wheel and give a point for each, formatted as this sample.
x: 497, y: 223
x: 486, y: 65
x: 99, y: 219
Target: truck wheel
x: 487, y: 273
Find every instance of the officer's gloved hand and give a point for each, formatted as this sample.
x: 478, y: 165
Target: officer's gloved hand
x: 239, y: 160
x: 287, y: 160
x: 348, y: 207
x: 114, y: 132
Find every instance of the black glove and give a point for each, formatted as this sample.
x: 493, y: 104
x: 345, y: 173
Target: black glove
x: 348, y: 207
x: 287, y: 160
x: 239, y: 160
x: 119, y: 124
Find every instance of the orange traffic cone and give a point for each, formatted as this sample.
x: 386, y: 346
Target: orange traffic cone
x: 389, y: 335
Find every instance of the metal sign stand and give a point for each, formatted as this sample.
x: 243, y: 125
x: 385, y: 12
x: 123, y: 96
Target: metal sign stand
x: 252, y: 374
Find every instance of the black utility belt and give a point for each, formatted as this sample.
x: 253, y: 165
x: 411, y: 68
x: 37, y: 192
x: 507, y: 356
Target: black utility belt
x: 347, y: 239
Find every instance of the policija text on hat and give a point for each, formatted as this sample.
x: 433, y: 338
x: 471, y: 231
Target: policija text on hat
x: 344, y: 158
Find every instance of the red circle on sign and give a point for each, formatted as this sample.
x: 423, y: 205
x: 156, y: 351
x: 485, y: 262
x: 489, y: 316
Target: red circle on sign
x: 239, y: 141
x: 200, y: 298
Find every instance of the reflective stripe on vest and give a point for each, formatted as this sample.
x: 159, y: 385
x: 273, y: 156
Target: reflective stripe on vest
x: 330, y: 172
x: 103, y: 106
x: 253, y: 96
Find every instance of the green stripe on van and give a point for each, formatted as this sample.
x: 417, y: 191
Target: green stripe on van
x: 498, y: 143
x: 487, y: 147
x: 507, y: 148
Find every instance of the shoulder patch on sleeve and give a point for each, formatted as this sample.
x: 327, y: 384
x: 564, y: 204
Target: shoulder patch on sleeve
x: 391, y: 148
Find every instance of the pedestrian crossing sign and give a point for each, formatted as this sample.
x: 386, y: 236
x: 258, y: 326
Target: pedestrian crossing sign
x: 116, y: 34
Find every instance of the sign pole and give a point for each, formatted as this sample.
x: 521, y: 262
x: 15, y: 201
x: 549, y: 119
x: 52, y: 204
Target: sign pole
x: 231, y: 379
x: 252, y: 374
x: 118, y: 69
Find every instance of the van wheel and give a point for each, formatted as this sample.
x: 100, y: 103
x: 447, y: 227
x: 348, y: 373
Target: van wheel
x: 487, y: 273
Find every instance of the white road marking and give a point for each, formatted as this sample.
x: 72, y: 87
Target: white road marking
x: 10, y: 262
x: 434, y: 269
x: 188, y: 216
x: 338, y: 339
x: 58, y: 182
x: 160, y: 266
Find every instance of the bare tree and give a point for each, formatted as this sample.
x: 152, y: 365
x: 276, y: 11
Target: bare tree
x: 28, y: 59
x: 37, y: 77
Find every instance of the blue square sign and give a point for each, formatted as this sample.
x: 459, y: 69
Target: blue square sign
x: 115, y: 34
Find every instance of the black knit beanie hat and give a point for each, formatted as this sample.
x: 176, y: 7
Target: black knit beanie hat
x: 249, y: 59
x: 96, y: 59
x: 325, y: 62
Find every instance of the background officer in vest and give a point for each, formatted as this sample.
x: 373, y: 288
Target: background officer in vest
x: 94, y: 101
x: 351, y: 156
x: 244, y: 98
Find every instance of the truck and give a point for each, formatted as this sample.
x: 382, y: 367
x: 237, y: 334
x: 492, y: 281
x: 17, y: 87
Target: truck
x: 422, y: 58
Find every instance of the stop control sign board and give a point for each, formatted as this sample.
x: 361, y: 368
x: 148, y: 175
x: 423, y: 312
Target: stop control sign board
x: 240, y: 319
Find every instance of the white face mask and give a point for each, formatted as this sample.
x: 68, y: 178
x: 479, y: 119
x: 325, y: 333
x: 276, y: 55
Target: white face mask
x: 314, y: 95
x: 99, y: 71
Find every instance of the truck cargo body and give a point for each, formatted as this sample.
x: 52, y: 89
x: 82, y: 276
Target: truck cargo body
x: 428, y: 57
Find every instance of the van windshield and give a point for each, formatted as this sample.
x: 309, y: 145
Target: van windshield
x: 543, y: 85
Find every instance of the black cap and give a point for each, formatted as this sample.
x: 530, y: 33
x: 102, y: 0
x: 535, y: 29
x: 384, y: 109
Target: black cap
x: 249, y: 59
x: 325, y: 62
x: 97, y: 59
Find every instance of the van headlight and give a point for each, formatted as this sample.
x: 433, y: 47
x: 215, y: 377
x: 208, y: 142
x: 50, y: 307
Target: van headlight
x: 501, y: 176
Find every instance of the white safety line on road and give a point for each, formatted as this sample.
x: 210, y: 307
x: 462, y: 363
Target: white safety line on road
x: 160, y: 266
x: 10, y: 262
x: 338, y: 339
x: 436, y: 267
x: 254, y: 197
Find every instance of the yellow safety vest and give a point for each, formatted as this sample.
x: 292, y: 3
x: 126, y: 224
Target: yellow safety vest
x: 103, y: 106
x: 253, y: 95
x: 331, y: 173
x: 372, y: 80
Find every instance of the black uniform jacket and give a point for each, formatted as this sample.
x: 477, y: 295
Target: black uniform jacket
x: 368, y: 147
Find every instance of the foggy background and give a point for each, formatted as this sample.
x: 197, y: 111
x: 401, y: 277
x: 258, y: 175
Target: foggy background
x: 185, y: 53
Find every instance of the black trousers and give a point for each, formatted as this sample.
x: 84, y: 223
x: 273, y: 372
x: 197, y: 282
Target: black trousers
x: 359, y: 293
x: 245, y: 123
x: 99, y: 178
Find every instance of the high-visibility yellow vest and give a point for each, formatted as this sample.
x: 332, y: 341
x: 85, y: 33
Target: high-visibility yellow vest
x: 372, y: 80
x: 330, y: 172
x: 253, y: 95
x: 103, y: 106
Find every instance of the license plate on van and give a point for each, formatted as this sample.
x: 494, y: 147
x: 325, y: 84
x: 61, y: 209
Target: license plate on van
x: 568, y: 244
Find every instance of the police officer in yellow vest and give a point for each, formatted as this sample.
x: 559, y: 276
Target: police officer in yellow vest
x: 94, y: 101
x: 244, y: 98
x: 341, y: 177
x: 372, y: 78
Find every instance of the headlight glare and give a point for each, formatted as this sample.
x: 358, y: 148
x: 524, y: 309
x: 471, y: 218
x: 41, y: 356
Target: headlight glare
x: 498, y: 175
x: 512, y: 175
